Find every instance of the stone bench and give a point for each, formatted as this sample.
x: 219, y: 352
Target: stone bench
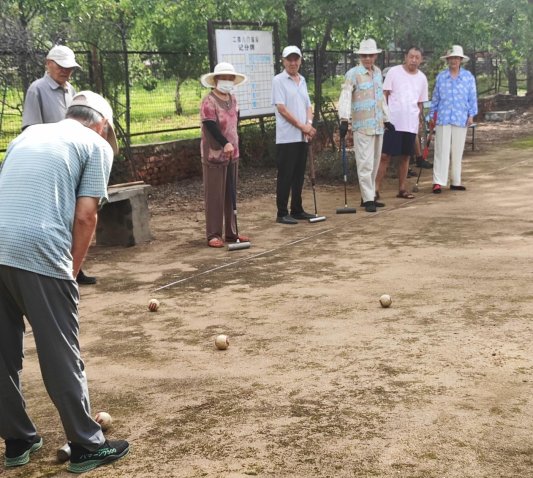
x: 124, y: 220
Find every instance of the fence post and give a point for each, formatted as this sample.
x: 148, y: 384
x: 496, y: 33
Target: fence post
x: 318, y: 87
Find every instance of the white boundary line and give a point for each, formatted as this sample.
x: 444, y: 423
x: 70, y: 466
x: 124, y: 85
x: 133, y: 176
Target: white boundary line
x: 249, y: 258
x: 244, y: 259
x: 303, y: 239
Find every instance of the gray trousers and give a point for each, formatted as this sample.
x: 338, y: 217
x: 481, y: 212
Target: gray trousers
x: 51, y: 307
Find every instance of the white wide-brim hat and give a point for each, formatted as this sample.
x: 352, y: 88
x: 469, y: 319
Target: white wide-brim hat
x: 368, y: 47
x: 99, y: 104
x: 208, y: 80
x: 63, y: 56
x: 456, y: 50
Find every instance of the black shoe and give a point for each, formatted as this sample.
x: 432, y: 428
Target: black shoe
x: 302, y: 216
x: 376, y: 203
x: 82, y: 279
x: 457, y: 188
x: 411, y: 173
x: 286, y: 220
x: 369, y: 206
x: 18, y: 451
x: 422, y: 163
x: 82, y: 460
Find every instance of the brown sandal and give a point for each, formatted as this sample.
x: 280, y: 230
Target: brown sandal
x: 405, y: 194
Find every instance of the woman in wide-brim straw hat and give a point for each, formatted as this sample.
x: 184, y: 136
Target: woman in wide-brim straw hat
x: 453, y: 107
x: 219, y: 114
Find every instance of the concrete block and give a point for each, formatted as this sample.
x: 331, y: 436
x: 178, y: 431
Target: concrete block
x: 125, y: 219
x: 499, y: 115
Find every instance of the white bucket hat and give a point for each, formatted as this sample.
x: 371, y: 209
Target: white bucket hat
x: 100, y: 105
x: 208, y: 80
x: 63, y: 56
x: 368, y: 47
x: 456, y: 50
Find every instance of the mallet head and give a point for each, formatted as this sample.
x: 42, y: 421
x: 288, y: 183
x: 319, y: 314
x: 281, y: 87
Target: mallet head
x: 317, y: 219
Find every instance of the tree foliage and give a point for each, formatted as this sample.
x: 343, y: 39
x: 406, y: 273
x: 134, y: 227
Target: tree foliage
x: 497, y: 26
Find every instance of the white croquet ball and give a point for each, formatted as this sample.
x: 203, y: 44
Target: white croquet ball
x: 103, y: 419
x: 63, y: 453
x: 153, y: 305
x: 385, y: 300
x: 222, y: 342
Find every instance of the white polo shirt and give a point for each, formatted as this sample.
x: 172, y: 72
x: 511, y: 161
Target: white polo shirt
x: 296, y: 99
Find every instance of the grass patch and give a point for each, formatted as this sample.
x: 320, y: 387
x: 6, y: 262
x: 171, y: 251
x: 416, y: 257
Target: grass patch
x: 524, y: 143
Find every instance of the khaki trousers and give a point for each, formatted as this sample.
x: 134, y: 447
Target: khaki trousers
x: 367, y: 158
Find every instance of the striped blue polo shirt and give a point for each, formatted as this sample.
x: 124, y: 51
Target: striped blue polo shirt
x: 45, y: 170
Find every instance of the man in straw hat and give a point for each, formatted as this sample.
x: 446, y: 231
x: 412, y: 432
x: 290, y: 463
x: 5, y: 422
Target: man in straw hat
x: 454, y: 102
x: 362, y: 100
x: 406, y: 89
x: 294, y: 128
x: 51, y: 182
x: 219, y: 113
x: 48, y: 98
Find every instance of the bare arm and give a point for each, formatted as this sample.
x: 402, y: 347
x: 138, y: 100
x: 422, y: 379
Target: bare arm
x: 421, y: 119
x: 83, y: 229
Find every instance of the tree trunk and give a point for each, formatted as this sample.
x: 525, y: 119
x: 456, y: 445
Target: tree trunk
x: 320, y: 67
x: 177, y: 97
x: 96, y: 70
x: 294, y: 23
x: 512, y: 81
x: 124, y: 43
x: 25, y: 48
x: 530, y: 75
x: 530, y: 54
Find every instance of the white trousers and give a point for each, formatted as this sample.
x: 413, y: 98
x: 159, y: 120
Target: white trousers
x: 367, y: 156
x: 449, y: 143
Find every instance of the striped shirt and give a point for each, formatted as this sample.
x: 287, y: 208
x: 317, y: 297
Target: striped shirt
x: 367, y: 100
x: 45, y: 170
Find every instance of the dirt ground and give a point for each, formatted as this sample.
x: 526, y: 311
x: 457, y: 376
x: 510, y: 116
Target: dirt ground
x: 319, y: 380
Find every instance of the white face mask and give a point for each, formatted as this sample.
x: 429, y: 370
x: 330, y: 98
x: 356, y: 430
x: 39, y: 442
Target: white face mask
x: 225, y: 86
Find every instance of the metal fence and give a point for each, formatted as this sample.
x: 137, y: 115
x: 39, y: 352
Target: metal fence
x: 149, y: 100
x: 152, y: 103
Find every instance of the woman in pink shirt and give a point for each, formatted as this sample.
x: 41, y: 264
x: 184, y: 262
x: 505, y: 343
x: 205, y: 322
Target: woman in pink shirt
x: 219, y: 114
